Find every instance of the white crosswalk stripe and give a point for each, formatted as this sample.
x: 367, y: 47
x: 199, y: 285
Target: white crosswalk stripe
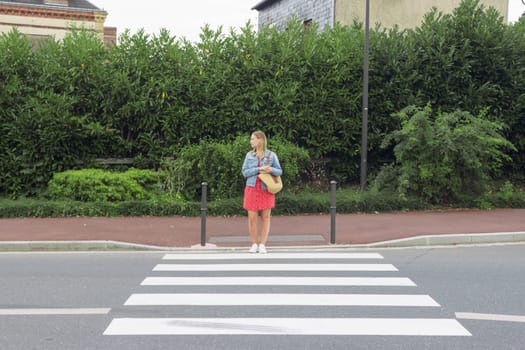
x: 270, y: 299
x: 286, y: 326
x: 199, y: 272
x: 274, y: 267
x: 278, y: 281
x: 272, y: 256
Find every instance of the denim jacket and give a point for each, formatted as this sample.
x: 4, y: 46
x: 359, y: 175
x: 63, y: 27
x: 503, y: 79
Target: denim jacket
x: 250, y: 167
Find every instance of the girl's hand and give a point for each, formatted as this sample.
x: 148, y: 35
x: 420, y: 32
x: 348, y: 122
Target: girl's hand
x: 265, y: 169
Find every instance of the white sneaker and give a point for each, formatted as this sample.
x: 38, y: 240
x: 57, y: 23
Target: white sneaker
x: 253, y: 249
x: 262, y: 249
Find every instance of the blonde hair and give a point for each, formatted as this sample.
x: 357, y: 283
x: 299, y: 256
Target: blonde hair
x: 261, y: 135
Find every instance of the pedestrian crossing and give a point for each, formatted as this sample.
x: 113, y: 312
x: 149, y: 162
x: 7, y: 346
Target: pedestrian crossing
x: 228, y: 283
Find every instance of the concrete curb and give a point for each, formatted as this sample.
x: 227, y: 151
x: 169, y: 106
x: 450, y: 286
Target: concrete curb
x: 24, y: 246
x: 453, y: 239
x: 411, y: 242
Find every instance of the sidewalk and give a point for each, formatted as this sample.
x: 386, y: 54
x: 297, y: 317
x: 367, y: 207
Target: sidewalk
x: 468, y: 226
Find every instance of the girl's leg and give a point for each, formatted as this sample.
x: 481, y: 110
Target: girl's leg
x: 252, y: 225
x: 265, y: 225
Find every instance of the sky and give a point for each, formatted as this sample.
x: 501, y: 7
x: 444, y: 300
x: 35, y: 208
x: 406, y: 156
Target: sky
x: 186, y: 18
x: 182, y: 18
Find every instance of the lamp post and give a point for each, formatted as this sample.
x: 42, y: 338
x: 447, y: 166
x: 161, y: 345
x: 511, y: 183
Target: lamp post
x: 364, y: 120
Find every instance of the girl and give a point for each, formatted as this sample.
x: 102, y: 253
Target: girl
x: 257, y: 199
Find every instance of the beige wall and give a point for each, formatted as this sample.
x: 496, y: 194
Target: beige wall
x: 44, y: 26
x: 43, y: 22
x: 405, y: 13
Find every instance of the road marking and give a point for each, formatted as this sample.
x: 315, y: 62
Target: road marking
x: 274, y: 267
x: 51, y: 312
x: 490, y: 317
x: 253, y: 299
x: 286, y: 326
x: 278, y: 281
x: 222, y: 256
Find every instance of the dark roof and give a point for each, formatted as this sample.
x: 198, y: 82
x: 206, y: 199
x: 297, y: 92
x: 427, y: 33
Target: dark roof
x: 73, y: 4
x: 264, y: 4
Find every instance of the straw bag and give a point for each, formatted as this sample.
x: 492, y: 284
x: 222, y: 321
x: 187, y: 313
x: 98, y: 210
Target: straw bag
x: 273, y: 183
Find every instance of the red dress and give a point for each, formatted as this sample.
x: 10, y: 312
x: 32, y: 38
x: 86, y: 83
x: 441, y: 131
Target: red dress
x: 255, y: 198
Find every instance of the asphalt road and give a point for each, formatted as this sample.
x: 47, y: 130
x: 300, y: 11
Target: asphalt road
x: 99, y: 300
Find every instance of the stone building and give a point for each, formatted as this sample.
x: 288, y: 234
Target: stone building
x: 40, y: 19
x: 404, y: 13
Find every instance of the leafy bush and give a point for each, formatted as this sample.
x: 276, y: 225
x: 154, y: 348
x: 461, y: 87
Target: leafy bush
x: 96, y: 185
x: 506, y: 196
x: 444, y: 157
x: 219, y: 164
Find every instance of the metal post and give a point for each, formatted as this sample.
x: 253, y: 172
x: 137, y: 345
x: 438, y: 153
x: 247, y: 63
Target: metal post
x: 364, y: 121
x: 203, y: 213
x: 332, y: 211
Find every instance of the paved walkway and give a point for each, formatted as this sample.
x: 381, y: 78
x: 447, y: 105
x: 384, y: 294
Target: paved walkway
x: 298, y: 230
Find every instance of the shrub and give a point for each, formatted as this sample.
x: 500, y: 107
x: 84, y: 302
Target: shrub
x: 507, y: 196
x: 96, y: 185
x: 444, y: 157
x: 219, y: 164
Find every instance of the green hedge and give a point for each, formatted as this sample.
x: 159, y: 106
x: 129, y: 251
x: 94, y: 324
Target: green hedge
x: 96, y: 185
x: 348, y: 201
x: 73, y: 100
x: 42, y: 208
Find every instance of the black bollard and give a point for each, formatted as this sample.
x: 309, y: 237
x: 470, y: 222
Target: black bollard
x: 203, y: 213
x: 332, y: 211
